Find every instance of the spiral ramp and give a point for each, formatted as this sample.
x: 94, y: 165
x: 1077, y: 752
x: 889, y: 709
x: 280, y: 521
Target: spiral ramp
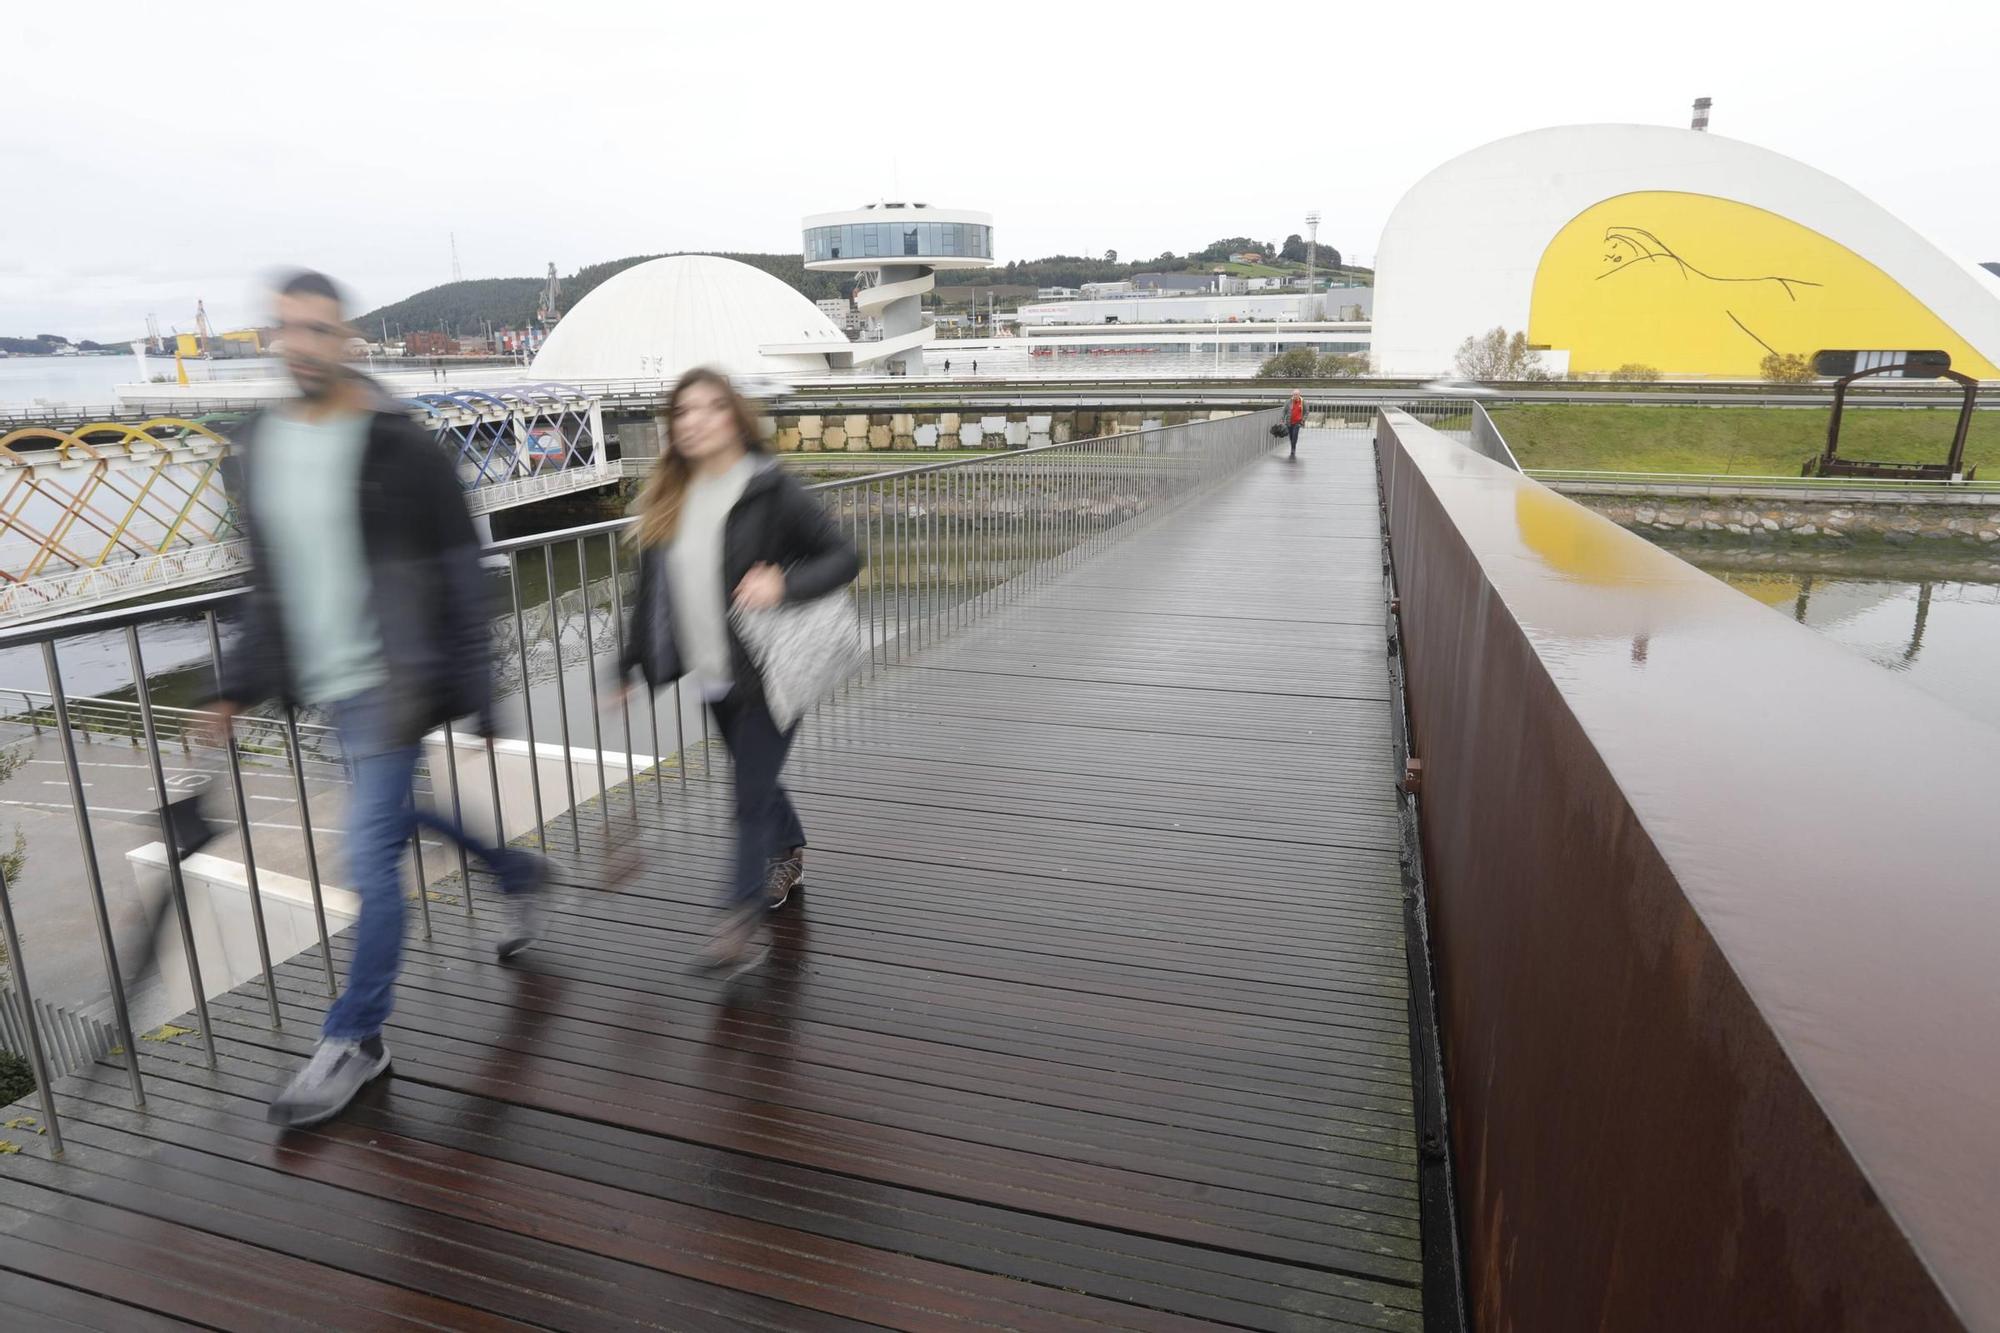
x: 873, y: 301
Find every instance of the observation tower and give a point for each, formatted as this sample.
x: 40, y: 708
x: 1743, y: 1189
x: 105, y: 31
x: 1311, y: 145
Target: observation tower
x: 901, y: 246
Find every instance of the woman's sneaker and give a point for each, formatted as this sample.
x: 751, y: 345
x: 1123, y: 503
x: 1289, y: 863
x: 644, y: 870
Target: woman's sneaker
x: 787, y: 877
x: 338, y: 1070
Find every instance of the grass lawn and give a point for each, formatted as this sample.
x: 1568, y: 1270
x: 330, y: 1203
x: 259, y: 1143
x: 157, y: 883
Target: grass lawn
x: 1285, y: 268
x: 1751, y: 441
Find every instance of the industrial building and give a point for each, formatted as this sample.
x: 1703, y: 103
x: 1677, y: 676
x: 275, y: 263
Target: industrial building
x: 1130, y: 306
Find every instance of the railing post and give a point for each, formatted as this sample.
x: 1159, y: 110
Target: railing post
x: 528, y: 703
x: 562, y: 699
x: 176, y: 882
x: 243, y: 833
x: 458, y: 816
x: 423, y: 880
x: 590, y: 674
x: 30, y: 1018
x: 624, y: 694
x: 298, y: 764
x: 93, y: 874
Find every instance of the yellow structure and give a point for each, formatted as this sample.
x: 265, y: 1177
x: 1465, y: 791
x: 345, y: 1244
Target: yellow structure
x: 242, y: 342
x: 1691, y: 284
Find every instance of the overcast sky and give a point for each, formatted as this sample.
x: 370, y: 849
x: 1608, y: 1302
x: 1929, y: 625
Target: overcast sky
x: 158, y: 153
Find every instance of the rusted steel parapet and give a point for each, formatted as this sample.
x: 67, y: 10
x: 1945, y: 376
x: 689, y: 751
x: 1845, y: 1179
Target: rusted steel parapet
x: 1716, y: 915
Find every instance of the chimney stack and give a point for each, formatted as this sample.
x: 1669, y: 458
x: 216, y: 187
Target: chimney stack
x: 1701, y: 105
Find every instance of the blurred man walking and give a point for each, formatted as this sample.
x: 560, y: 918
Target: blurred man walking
x: 366, y: 600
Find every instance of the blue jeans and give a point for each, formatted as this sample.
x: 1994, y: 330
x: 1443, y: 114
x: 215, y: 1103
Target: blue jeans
x: 767, y: 825
x: 381, y: 817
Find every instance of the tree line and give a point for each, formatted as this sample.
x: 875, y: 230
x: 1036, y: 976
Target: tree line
x: 44, y: 344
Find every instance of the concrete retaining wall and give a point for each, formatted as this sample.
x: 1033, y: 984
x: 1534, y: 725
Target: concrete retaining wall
x: 938, y: 428
x: 1809, y: 519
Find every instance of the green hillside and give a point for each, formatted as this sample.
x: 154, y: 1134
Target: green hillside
x: 457, y: 308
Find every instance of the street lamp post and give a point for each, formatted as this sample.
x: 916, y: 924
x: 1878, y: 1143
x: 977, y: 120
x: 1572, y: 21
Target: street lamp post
x: 1312, y: 264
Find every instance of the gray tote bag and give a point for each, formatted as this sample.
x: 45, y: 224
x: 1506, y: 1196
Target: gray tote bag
x: 802, y: 651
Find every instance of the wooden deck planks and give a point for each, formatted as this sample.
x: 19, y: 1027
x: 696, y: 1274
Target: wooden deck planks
x: 1093, y: 1015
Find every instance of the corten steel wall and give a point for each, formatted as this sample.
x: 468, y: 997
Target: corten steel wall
x: 1716, y: 929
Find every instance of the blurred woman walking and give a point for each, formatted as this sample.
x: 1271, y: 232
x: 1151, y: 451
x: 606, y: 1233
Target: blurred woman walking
x: 722, y: 526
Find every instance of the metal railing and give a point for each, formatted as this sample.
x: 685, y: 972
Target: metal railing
x: 1487, y: 439
x: 1734, y: 483
x: 122, y: 720
x: 69, y: 1040
x: 942, y: 545
x: 1356, y: 411
x: 155, y: 571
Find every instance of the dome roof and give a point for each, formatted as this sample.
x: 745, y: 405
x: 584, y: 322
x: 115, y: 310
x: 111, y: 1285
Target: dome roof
x: 1517, y: 232
x: 660, y: 318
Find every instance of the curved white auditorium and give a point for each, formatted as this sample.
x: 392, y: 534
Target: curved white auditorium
x: 902, y: 245
x: 665, y: 316
x: 1682, y: 251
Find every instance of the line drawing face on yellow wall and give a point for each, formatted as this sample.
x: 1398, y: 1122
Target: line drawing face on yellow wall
x: 1692, y: 284
x: 1627, y: 250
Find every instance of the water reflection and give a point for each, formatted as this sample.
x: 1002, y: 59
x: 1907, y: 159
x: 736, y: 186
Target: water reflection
x: 1940, y: 631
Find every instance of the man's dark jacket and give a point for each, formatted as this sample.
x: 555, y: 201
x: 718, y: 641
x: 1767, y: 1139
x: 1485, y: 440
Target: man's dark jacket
x: 428, y: 595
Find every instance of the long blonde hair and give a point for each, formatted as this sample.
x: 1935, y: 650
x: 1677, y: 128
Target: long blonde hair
x: 666, y: 487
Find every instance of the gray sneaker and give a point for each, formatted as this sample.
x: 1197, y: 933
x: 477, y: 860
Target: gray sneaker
x: 522, y: 912
x: 337, y: 1071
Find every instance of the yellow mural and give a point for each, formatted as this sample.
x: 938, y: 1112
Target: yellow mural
x: 1695, y: 285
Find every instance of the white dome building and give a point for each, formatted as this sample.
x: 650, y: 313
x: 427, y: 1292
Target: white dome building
x: 1685, y: 251
x: 665, y: 316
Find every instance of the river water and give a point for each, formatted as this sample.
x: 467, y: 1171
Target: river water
x: 1936, y: 625
x: 92, y: 381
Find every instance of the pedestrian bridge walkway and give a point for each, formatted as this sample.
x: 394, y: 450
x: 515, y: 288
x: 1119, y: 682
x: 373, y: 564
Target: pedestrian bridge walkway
x: 1094, y: 1014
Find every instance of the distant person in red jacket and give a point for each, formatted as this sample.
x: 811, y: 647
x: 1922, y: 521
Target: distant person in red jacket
x: 1295, y: 417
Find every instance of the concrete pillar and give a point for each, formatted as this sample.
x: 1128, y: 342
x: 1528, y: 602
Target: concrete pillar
x: 600, y: 456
